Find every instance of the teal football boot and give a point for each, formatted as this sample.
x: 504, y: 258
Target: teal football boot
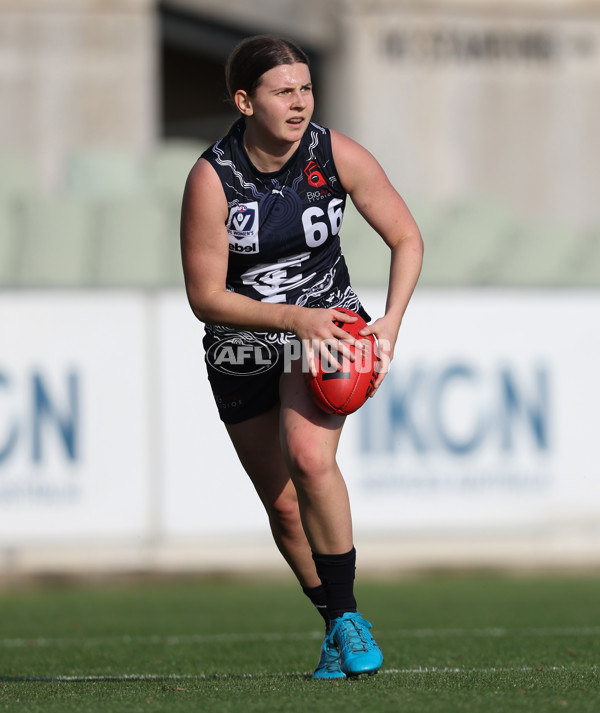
x: 358, y: 650
x: 329, y: 662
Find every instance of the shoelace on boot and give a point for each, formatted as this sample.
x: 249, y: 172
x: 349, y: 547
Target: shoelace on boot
x: 355, y: 636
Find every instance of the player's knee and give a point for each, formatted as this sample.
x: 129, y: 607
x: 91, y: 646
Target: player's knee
x: 285, y: 515
x: 310, y: 464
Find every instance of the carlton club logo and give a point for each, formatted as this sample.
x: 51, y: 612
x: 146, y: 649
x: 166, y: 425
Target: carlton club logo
x: 237, y: 357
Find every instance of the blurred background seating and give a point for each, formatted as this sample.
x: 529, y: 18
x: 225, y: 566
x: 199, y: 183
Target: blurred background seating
x: 137, y: 244
x: 115, y: 222
x: 54, y: 240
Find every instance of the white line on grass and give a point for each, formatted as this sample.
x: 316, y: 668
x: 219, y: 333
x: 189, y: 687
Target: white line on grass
x: 162, y: 640
x: 186, y: 639
x: 426, y: 670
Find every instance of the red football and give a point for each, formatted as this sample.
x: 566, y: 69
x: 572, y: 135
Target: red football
x: 345, y: 391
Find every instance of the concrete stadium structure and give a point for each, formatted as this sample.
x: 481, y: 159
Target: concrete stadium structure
x: 454, y: 97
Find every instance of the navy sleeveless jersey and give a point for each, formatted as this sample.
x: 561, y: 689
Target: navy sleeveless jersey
x: 283, y: 227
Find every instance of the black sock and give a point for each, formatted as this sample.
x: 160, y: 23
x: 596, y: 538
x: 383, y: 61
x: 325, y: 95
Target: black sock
x: 336, y: 573
x: 318, y: 597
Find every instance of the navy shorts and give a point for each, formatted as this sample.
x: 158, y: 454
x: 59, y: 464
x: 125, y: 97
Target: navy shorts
x: 244, y: 375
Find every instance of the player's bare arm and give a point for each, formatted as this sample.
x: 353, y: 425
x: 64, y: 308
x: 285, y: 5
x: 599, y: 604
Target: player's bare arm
x: 386, y: 212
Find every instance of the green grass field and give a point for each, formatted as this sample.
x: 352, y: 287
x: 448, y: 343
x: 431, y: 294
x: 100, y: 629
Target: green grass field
x: 451, y: 643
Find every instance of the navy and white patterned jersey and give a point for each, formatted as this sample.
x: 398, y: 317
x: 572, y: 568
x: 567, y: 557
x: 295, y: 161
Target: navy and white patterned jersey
x: 284, y: 226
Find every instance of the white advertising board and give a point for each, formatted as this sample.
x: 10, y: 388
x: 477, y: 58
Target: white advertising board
x: 206, y: 491
x: 73, y: 417
x: 487, y: 420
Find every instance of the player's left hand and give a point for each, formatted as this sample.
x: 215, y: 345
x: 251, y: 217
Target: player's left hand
x: 386, y: 333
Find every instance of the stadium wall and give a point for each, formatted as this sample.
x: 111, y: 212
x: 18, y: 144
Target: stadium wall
x: 479, y: 450
x: 476, y: 98
x: 78, y: 74
x: 456, y: 99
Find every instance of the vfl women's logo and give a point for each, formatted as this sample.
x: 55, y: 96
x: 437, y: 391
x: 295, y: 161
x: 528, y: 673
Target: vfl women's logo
x: 242, y: 227
x: 237, y: 357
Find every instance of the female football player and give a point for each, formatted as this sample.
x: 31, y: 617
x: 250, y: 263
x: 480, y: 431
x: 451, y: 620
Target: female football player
x: 261, y: 217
